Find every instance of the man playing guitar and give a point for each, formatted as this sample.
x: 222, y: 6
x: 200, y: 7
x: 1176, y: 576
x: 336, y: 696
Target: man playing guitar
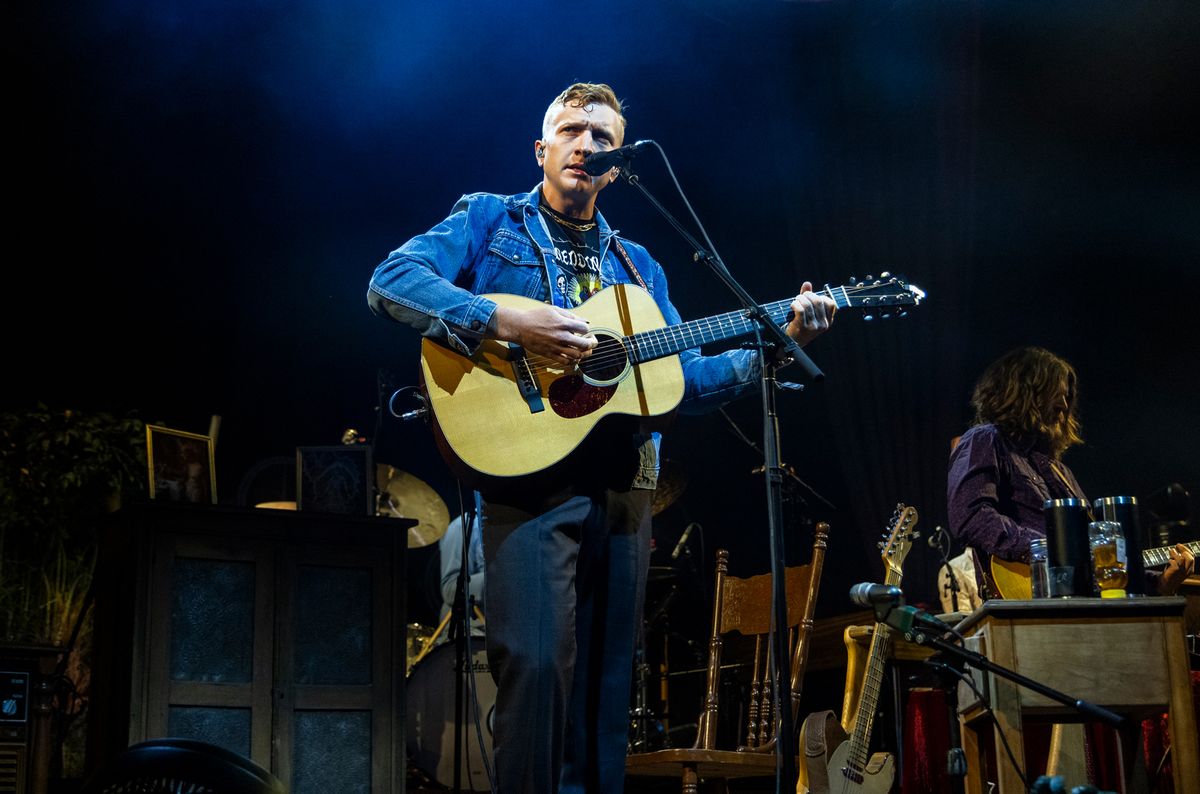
x: 566, y: 560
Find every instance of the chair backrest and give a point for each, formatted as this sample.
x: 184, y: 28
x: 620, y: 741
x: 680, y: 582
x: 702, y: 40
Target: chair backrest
x: 745, y: 606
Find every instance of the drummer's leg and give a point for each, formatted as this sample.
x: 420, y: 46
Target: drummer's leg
x: 530, y: 596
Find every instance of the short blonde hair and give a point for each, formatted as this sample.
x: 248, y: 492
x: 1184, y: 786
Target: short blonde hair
x: 580, y: 95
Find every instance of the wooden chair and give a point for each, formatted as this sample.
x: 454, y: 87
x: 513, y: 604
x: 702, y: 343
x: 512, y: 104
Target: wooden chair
x: 744, y: 606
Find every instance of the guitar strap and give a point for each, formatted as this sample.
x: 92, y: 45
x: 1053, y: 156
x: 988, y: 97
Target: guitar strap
x: 633, y: 271
x: 818, y: 732
x: 1062, y: 477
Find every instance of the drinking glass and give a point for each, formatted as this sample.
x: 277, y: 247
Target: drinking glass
x: 1039, y: 572
x: 1110, y: 565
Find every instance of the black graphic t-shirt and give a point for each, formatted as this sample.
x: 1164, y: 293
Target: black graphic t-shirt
x: 577, y: 254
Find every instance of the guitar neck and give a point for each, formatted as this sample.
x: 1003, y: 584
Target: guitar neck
x: 662, y: 342
x: 860, y: 740
x: 881, y: 643
x: 1158, y: 557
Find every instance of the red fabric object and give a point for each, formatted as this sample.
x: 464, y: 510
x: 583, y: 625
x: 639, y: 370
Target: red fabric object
x: 1156, y: 738
x: 926, y: 743
x: 1102, y: 746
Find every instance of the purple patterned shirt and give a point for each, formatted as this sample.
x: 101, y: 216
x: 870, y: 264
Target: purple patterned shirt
x: 996, y: 489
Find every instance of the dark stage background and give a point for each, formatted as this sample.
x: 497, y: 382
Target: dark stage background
x: 200, y: 191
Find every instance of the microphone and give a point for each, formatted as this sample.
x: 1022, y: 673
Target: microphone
x: 935, y: 538
x: 868, y: 595
x: 597, y: 163
x: 683, y: 540
x: 888, y: 602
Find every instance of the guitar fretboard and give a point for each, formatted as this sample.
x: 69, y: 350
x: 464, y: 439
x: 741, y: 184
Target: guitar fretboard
x: 662, y: 342
x: 1153, y: 557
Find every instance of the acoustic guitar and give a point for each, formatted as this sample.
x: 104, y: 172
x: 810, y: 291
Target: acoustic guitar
x: 830, y: 761
x: 505, y: 413
x: 1013, y: 579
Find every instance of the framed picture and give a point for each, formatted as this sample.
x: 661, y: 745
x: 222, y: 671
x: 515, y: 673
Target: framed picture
x: 181, y: 466
x: 335, y: 480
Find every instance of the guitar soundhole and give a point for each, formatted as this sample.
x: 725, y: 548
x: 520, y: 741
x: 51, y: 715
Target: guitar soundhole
x: 608, y: 360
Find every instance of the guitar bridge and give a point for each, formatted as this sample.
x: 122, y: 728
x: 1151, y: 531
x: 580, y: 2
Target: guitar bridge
x: 527, y: 382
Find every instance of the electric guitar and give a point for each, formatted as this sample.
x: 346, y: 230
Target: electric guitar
x: 503, y: 413
x: 850, y: 768
x: 1014, y: 581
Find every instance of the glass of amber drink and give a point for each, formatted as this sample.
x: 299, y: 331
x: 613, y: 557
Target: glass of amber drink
x: 1110, y: 566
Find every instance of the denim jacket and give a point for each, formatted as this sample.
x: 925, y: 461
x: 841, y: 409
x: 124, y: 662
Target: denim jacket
x: 435, y: 282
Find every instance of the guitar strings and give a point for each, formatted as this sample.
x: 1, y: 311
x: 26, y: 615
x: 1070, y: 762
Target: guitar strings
x: 669, y: 335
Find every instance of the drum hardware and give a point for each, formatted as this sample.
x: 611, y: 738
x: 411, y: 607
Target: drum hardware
x: 417, y: 643
x: 428, y: 642
x: 647, y: 732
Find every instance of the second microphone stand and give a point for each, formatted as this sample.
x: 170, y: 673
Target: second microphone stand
x: 782, y: 347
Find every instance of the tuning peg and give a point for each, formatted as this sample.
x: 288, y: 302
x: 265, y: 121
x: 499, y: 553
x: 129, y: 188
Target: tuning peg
x: 869, y: 278
x: 885, y: 316
x: 902, y: 314
x: 868, y: 317
x: 885, y: 274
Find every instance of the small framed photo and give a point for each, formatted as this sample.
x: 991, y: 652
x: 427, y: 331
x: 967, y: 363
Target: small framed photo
x: 181, y: 466
x: 335, y: 480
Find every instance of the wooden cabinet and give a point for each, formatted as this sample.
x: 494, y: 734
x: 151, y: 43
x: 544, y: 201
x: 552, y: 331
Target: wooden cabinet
x: 276, y: 634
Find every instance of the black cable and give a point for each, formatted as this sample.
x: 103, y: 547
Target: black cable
x: 966, y: 679
x: 468, y: 519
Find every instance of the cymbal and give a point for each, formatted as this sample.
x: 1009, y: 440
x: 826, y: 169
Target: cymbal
x: 402, y: 495
x: 672, y: 482
x: 277, y: 505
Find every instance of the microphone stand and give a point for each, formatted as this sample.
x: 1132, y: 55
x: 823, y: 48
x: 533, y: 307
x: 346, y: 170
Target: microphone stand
x: 921, y: 636
x: 784, y: 346
x: 941, y: 541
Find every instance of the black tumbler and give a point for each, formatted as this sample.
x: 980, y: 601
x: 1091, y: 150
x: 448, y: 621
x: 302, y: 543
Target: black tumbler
x: 1069, y: 556
x: 1124, y: 510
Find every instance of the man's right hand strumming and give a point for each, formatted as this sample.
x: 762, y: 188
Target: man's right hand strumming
x: 545, y: 331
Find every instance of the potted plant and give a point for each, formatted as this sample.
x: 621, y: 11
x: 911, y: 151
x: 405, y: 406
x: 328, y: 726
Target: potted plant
x: 60, y: 472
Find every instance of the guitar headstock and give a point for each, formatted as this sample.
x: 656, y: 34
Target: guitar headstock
x: 882, y: 297
x: 898, y: 540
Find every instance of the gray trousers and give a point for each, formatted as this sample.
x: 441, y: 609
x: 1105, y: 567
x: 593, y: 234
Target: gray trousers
x: 564, y: 588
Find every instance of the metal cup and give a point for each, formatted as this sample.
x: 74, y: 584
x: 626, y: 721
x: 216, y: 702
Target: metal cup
x: 1069, y: 558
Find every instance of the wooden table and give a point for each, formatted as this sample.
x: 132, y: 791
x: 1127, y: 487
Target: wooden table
x: 1127, y: 655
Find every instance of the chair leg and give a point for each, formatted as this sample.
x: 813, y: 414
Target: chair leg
x: 691, y: 779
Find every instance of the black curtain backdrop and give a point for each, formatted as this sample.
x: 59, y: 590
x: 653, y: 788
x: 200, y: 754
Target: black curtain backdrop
x: 199, y: 193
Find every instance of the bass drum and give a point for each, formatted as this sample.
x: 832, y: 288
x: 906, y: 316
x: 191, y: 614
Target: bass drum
x: 431, y: 691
